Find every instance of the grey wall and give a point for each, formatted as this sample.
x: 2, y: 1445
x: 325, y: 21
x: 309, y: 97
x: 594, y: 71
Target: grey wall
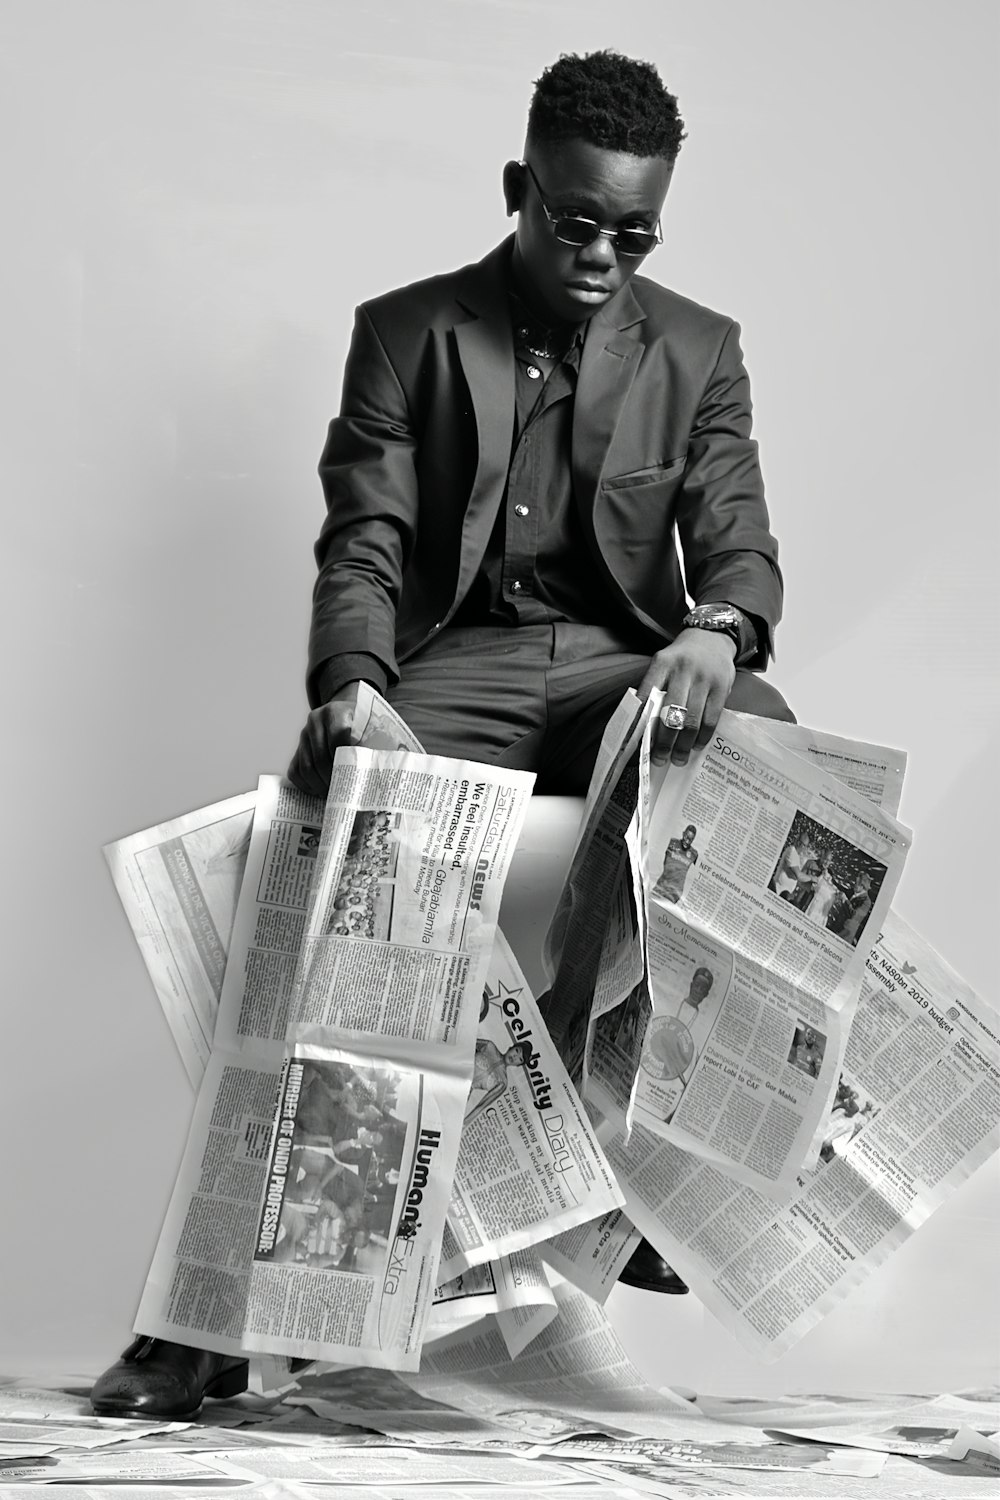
x: 196, y: 194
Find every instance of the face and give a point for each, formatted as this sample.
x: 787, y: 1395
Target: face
x: 570, y: 283
x: 687, y: 837
x: 701, y: 983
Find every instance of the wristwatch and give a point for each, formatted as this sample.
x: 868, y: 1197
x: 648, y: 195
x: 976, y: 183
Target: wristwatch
x: 726, y: 619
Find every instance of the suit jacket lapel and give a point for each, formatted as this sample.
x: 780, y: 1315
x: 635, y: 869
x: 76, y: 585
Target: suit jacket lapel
x: 612, y: 351
x: 486, y: 351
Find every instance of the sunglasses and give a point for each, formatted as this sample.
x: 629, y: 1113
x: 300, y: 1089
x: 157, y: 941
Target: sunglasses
x: 570, y: 230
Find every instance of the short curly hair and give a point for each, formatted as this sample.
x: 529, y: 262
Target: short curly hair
x: 613, y: 101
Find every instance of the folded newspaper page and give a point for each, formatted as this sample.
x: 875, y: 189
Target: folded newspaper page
x: 514, y: 1289
x: 579, y: 957
x: 529, y: 1164
x: 915, y: 1112
x: 575, y: 1377
x: 424, y: 844
x: 593, y: 1255
x: 179, y: 884
x: 348, y: 1197
x: 750, y: 991
x: 574, y: 1183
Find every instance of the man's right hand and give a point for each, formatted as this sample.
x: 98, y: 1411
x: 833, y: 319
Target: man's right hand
x: 327, y: 727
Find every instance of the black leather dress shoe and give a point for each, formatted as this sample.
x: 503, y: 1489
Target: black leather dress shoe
x: 646, y: 1269
x: 155, y: 1378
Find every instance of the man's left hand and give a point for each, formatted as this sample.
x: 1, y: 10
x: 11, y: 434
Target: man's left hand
x: 695, y: 672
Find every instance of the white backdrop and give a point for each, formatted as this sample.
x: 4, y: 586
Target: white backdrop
x: 196, y: 194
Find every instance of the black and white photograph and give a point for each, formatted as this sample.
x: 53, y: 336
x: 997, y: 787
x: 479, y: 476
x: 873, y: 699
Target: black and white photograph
x: 515, y: 363
x: 679, y: 858
x: 850, y: 1112
x: 807, y: 1050
x: 362, y: 902
x: 309, y: 838
x: 833, y: 882
x: 343, y: 1169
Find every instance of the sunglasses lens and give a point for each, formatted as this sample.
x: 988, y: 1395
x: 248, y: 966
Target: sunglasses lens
x: 580, y: 232
x: 636, y: 241
x: 576, y: 231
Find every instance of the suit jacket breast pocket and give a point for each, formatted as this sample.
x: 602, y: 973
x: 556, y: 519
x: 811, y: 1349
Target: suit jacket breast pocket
x: 653, y: 474
x: 635, y: 512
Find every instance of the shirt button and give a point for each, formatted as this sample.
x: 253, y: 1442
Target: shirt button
x: 515, y: 587
x: 520, y: 510
x: 533, y: 372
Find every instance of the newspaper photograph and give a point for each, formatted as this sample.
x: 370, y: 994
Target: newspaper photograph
x: 914, y: 1113
x: 348, y: 1238
x: 529, y: 1165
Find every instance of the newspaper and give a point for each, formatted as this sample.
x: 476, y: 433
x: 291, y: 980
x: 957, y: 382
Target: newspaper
x: 179, y: 884
x: 311, y: 1226
x: 529, y: 1164
x: 914, y: 1113
x: 557, y: 1179
x: 876, y: 771
x: 514, y: 1289
x: 731, y: 1046
x: 579, y: 956
x: 575, y: 1378
x: 592, y: 1256
x: 976, y: 1451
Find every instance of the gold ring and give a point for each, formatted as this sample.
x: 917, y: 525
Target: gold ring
x: 674, y: 715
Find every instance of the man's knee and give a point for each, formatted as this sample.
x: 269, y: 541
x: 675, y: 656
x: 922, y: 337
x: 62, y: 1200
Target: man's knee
x: 752, y: 694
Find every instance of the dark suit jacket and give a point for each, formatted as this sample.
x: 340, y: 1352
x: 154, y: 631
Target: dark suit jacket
x: 415, y: 465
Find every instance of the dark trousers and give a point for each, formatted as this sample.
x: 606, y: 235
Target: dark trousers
x: 537, y: 697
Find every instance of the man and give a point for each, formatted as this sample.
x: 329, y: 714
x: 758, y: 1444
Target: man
x: 517, y: 444
x: 806, y: 1052
x: 794, y: 857
x: 689, y: 1011
x: 680, y: 857
x: 489, y: 1072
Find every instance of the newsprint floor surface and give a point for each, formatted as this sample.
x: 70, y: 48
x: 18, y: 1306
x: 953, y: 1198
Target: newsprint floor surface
x: 369, y: 1435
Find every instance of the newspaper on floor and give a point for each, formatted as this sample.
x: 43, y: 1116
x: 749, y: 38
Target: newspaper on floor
x: 976, y: 1451
x: 660, y: 1456
x: 390, y: 1483
x: 311, y: 1227
x: 927, y: 1430
x: 914, y: 1113
x: 576, y: 1378
x: 752, y: 976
